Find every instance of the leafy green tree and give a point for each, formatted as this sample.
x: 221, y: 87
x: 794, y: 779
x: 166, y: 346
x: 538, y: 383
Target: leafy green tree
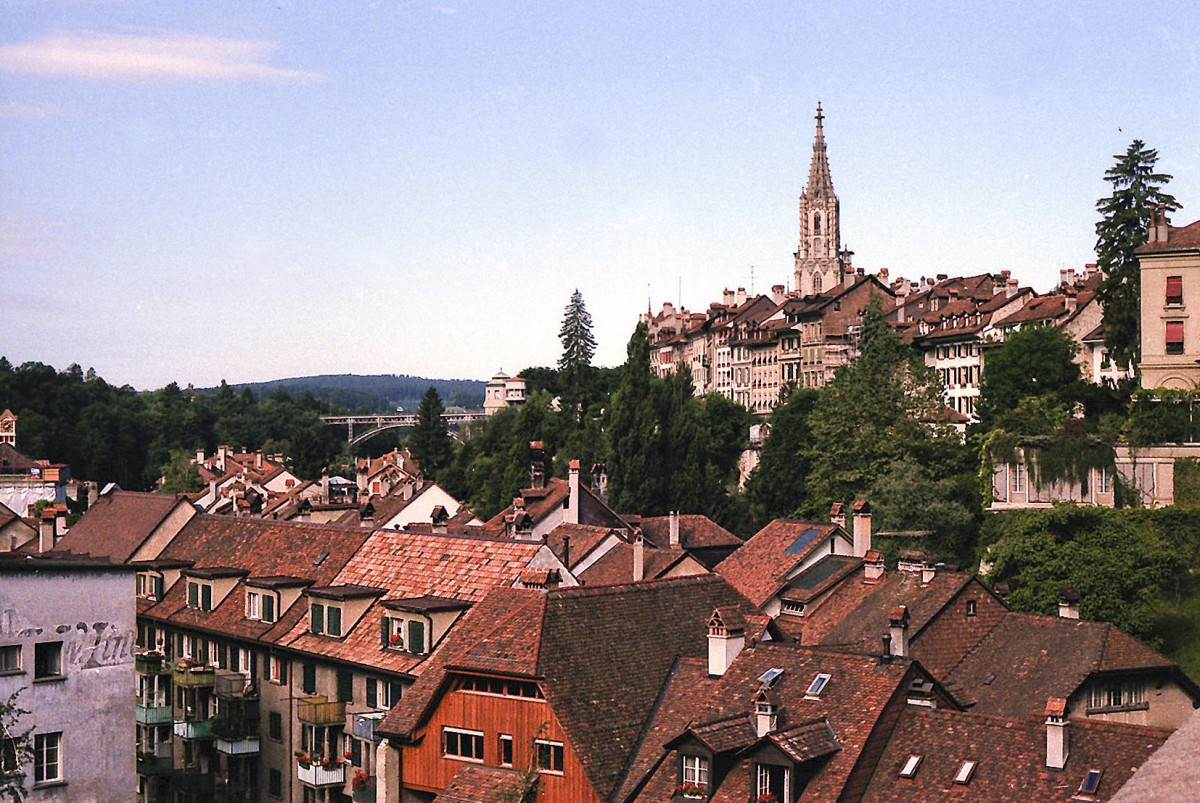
x: 1137, y: 190
x: 906, y: 497
x: 1033, y: 362
x: 579, y: 346
x: 18, y: 748
x: 778, y: 487
x: 429, y: 441
x: 637, y: 442
x: 887, y: 406
x: 180, y: 475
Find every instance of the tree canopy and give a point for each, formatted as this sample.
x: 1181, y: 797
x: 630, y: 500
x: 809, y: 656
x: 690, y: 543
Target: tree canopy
x: 1033, y: 362
x: 575, y: 364
x: 430, y: 442
x: 1136, y: 191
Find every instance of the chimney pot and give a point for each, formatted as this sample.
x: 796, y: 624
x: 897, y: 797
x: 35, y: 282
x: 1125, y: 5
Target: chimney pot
x: 674, y: 528
x: 862, y: 528
x: 1068, y: 603
x: 726, y: 638
x: 639, y: 558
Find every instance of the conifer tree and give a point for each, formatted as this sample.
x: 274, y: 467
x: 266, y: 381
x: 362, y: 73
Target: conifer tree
x: 429, y: 441
x: 636, y: 441
x: 579, y: 345
x: 1137, y: 190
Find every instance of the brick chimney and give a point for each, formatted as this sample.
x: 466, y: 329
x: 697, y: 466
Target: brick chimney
x: 862, y: 528
x: 46, y: 529
x: 898, y: 630
x: 639, y: 557
x: 837, y: 514
x: 726, y: 638
x: 1068, y: 603
x: 537, y: 464
x: 1058, y: 739
x: 572, y: 513
x: 566, y: 551
x: 873, y: 568
x: 673, y: 528
x: 777, y: 293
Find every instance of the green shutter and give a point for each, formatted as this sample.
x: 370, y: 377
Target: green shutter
x: 157, y: 584
x: 345, y: 686
x: 206, y: 597
x: 416, y: 636
x: 356, y: 753
x: 193, y: 595
x: 310, y: 678
x: 372, y: 694
x: 268, y: 608
x: 385, y: 631
x: 223, y: 657
x: 235, y: 659
x: 316, y: 618
x: 334, y: 616
x: 395, y: 689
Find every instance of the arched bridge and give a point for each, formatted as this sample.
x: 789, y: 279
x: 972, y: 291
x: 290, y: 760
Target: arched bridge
x: 385, y: 421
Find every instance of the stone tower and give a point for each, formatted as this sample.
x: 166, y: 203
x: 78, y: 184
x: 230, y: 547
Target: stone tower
x: 8, y: 428
x: 821, y: 264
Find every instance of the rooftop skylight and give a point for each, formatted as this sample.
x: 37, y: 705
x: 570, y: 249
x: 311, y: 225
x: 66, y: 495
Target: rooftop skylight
x: 910, y: 766
x: 817, y: 686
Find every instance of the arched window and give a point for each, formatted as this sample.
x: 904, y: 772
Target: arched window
x: 816, y: 282
x: 817, y: 223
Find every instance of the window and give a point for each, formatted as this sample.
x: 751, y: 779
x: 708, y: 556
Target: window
x: 316, y: 618
x: 910, y: 766
x: 1174, y: 291
x: 1174, y: 337
x: 274, y: 782
x: 1018, y: 478
x: 1103, y: 481
x: 549, y: 755
x: 10, y: 659
x: 770, y: 779
x: 972, y: 607
x: 695, y: 770
x: 275, y: 726
x: 345, y: 686
x: 963, y: 776
x: 47, y: 660
x: 277, y: 669
x: 506, y: 750
x: 309, y: 681
x: 199, y: 595
x: 1091, y: 782
x: 461, y: 744
x: 47, y: 758
x: 1117, y: 694
x: 149, y: 585
x: 817, y: 686
x: 9, y: 764
x: 325, y: 620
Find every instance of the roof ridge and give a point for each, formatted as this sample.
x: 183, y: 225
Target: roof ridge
x: 641, y: 586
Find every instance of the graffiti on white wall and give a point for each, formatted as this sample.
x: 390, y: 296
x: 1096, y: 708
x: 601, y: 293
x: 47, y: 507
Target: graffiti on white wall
x: 86, y: 645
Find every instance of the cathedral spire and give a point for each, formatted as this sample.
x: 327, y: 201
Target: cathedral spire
x: 819, y: 259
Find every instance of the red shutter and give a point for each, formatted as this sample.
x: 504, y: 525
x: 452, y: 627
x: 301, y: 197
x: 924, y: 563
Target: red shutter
x: 1174, y: 289
x: 1175, y: 332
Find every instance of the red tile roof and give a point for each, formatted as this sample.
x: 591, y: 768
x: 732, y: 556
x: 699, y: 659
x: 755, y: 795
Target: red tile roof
x: 1178, y: 238
x: 759, y: 567
x: 695, y: 532
x: 478, y: 784
x: 118, y: 523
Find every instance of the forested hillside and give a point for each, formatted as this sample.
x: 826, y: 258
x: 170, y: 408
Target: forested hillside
x: 378, y: 393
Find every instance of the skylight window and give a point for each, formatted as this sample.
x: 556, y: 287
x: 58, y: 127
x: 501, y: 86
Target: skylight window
x: 817, y: 686
x: 965, y: 772
x: 910, y: 766
x: 320, y: 559
x: 768, y: 677
x: 1091, y: 782
x: 989, y: 680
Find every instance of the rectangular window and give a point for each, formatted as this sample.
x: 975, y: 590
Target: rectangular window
x: 910, y: 766
x: 316, y: 618
x: 309, y: 681
x: 10, y: 659
x: 9, y: 764
x: 333, y: 621
x: 1174, y: 291
x: 345, y: 686
x: 274, y: 782
x: 268, y: 608
x: 47, y: 758
x: 47, y: 660
x: 462, y: 744
x: 1103, y: 481
x: 695, y: 770
x: 275, y: 726
x: 965, y: 771
x: 372, y: 693
x: 1117, y: 694
x: 1174, y: 337
x: 253, y: 605
x: 506, y: 750
x: 276, y: 669
x: 549, y: 756
x: 1018, y: 478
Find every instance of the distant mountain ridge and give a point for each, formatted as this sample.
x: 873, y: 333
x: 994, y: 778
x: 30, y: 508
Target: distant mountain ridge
x: 377, y: 393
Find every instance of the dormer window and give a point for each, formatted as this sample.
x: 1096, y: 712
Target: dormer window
x: 817, y: 686
x: 965, y: 771
x: 1091, y: 782
x: 910, y: 766
x: 409, y: 635
x: 199, y: 595
x: 694, y: 777
x: 792, y: 607
x: 261, y: 606
x: 150, y: 585
x: 325, y: 619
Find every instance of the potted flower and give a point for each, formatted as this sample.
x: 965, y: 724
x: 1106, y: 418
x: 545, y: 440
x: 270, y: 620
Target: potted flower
x: 694, y: 791
x: 359, y: 781
x: 303, y: 759
x: 766, y: 797
x: 394, y: 639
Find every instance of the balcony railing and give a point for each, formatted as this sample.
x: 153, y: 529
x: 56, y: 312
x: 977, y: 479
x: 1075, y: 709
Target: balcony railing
x: 153, y: 714
x: 155, y: 762
x: 365, y: 724
x: 235, y: 686
x: 316, y: 775
x: 193, y: 782
x: 145, y: 664
x: 320, y: 711
x: 194, y: 676
x: 194, y: 728
x: 245, y: 746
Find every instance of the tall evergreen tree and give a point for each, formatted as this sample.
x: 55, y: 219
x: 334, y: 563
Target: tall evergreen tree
x: 429, y: 441
x: 579, y: 345
x: 1137, y: 190
x: 636, y: 440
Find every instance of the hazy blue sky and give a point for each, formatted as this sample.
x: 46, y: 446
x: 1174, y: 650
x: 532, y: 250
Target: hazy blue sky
x: 197, y: 191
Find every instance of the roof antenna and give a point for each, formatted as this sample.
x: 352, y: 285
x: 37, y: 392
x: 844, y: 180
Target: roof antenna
x: 649, y: 308
x: 751, y: 280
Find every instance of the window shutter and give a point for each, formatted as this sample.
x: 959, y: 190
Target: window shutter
x: 356, y: 752
x: 372, y: 694
x: 1174, y: 289
x: 345, y: 686
x: 334, y: 616
x: 1174, y: 331
x: 316, y: 618
x: 206, y: 597
x: 235, y: 659
x: 268, y: 608
x: 385, y: 631
x: 157, y: 584
x: 310, y: 678
x: 223, y: 656
x: 193, y: 595
x: 394, y: 691
x: 416, y: 636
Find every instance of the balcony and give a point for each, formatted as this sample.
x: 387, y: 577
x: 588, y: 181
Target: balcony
x: 156, y: 762
x: 365, y: 793
x: 148, y: 664
x: 193, y: 676
x: 364, y: 725
x: 316, y: 775
x: 194, y: 728
x: 153, y: 714
x: 243, y: 746
x: 194, y: 782
x: 319, y: 711
x: 234, y: 686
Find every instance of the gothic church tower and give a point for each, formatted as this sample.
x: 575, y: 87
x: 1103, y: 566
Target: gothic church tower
x: 821, y: 264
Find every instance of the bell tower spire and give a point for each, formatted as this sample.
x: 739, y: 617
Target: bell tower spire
x: 820, y: 261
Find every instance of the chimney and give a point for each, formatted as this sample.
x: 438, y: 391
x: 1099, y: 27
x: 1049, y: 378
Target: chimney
x: 777, y: 293
x: 93, y: 494
x: 639, y: 557
x: 222, y: 453
x: 837, y: 514
x: 885, y: 657
x: 740, y: 296
x: 727, y: 297
x: 537, y: 464
x: 862, y: 528
x: 673, y: 528
x: 873, y: 567
x: 600, y: 481
x: 928, y: 571
x: 766, y: 713
x: 199, y: 455
x: 258, y: 459
x: 1068, y: 603
x: 60, y: 522
x: 1058, y: 740
x: 898, y: 630
x: 438, y: 519
x: 566, y: 556
x: 726, y: 638
x: 46, y: 530
x: 572, y: 516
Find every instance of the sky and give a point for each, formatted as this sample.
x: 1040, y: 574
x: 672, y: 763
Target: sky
x: 246, y: 191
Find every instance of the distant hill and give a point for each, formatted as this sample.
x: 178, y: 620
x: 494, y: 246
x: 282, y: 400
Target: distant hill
x: 375, y: 394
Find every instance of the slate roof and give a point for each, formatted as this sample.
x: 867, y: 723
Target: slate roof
x: 1034, y: 657
x: 1011, y: 756
x: 758, y: 568
x: 695, y: 532
x: 118, y: 523
x: 616, y: 565
x: 572, y: 639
